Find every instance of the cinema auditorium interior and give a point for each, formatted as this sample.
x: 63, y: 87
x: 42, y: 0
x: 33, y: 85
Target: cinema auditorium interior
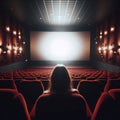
x: 59, y: 60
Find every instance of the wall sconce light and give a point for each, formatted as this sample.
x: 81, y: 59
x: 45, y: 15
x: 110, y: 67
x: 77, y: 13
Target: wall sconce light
x: 99, y: 49
x: 7, y: 28
x: 0, y: 50
x: 110, y: 47
x: 100, y: 33
x: 9, y: 47
x: 20, y: 49
x: 19, y: 37
x: 15, y: 48
x: 24, y: 42
x: 118, y: 51
x: 19, y: 33
x: 14, y: 32
x: 100, y: 36
x: 112, y: 29
x: 105, y: 32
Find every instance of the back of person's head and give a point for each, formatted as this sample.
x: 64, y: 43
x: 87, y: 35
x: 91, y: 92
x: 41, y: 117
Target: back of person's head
x: 60, y: 80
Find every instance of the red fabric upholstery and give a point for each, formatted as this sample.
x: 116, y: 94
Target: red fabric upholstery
x: 91, y: 90
x: 31, y: 90
x: 112, y: 84
x: 61, y: 107
x: 12, y: 106
x: 7, y: 83
x: 108, y: 106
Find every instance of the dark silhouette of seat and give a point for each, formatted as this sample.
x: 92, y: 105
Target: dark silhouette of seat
x: 91, y: 90
x: 60, y: 107
x: 108, y: 106
x: 112, y: 84
x: 31, y: 90
x: 12, y: 105
x: 8, y: 83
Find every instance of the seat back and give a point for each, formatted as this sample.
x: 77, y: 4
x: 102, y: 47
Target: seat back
x: 31, y: 90
x: 108, y: 106
x: 91, y: 90
x: 12, y: 105
x: 112, y: 84
x: 7, y: 84
x: 61, y: 107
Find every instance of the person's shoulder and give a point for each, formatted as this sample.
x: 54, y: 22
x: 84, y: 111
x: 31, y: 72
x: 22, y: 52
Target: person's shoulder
x: 74, y: 90
x: 75, y: 93
x: 45, y: 94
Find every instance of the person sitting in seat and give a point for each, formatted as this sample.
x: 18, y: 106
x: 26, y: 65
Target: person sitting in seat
x: 60, y: 101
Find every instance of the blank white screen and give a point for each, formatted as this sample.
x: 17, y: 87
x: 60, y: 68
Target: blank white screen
x: 55, y: 46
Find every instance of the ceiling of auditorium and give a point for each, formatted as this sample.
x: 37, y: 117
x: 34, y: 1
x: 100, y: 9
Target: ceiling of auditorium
x: 45, y: 13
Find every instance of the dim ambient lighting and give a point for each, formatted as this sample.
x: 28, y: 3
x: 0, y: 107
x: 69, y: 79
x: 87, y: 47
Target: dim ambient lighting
x: 105, y: 32
x: 112, y: 29
x: 8, y: 28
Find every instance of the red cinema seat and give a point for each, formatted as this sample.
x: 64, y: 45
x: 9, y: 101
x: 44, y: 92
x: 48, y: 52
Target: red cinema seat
x: 31, y: 90
x: 12, y: 105
x: 108, y: 106
x: 60, y: 107
x: 7, y: 84
x: 91, y: 90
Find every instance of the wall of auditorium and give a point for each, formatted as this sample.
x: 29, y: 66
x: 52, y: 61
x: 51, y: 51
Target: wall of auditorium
x: 12, y: 40
x: 107, y: 40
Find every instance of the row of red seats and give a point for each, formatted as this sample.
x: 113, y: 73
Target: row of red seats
x: 107, y: 105
x: 90, y: 89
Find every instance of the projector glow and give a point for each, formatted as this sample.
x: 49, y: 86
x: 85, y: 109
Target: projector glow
x: 60, y: 46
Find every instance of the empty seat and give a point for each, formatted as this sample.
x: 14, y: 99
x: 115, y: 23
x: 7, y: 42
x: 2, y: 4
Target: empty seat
x: 31, y: 90
x: 7, y: 83
x: 91, y: 90
x: 108, y: 106
x: 12, y: 105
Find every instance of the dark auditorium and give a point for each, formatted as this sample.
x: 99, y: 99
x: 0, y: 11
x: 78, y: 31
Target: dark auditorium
x: 59, y: 59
